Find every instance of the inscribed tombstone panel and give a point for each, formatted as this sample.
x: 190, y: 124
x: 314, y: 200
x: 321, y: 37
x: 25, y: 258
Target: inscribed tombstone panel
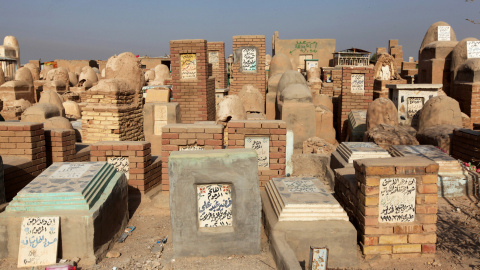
x: 188, y: 66
x: 358, y: 83
x: 249, y: 59
x: 397, y: 200
x: 214, y: 205
x: 473, y: 49
x: 443, y: 33
x: 38, y: 241
x: 121, y: 164
x: 262, y: 146
x: 213, y: 58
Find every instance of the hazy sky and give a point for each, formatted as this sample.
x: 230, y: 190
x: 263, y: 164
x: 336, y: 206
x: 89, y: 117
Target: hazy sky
x: 63, y: 29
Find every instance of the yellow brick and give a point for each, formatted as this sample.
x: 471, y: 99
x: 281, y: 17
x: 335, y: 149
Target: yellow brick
x: 415, y: 248
x: 371, y: 201
x: 372, y: 181
x: 422, y: 238
x: 430, y: 179
x: 377, y: 250
x: 393, y: 239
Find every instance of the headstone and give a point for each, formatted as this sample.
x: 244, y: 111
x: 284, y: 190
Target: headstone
x: 121, y: 164
x: 214, y: 205
x: 262, y: 146
x: 213, y: 58
x: 443, y: 33
x: 473, y: 49
x: 38, y: 241
x: 397, y: 200
x: 249, y: 59
x: 303, y: 199
x: 358, y: 83
x: 188, y: 66
x: 318, y: 258
x: 351, y: 151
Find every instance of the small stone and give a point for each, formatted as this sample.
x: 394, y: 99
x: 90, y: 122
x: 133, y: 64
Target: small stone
x: 113, y: 254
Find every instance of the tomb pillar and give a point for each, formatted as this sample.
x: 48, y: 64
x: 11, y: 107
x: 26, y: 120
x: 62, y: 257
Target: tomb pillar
x: 216, y: 57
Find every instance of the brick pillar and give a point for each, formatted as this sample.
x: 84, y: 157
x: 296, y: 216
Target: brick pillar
x: 216, y: 57
x: 354, y: 98
x: 248, y: 73
x: 192, y: 88
x: 60, y: 145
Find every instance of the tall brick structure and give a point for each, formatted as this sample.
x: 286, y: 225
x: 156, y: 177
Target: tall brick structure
x: 249, y: 65
x: 357, y: 94
x: 192, y: 87
x: 216, y: 57
x: 396, y: 51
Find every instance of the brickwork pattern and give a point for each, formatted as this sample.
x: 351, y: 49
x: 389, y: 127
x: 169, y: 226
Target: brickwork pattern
x: 466, y: 145
x: 256, y: 79
x: 353, y: 101
x: 468, y: 96
x: 219, y: 72
x: 60, y: 145
x: 112, y: 116
x: 22, y: 147
x: 144, y: 171
x: 361, y: 201
x: 275, y: 130
x: 196, y: 96
x: 176, y: 136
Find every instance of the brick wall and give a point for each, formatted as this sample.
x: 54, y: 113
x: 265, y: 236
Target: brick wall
x: 196, y: 96
x: 144, y: 170
x: 256, y: 79
x: 113, y: 113
x: 360, y: 198
x: 353, y: 101
x: 219, y: 70
x: 468, y: 96
x: 60, y: 145
x: 178, y: 136
x: 22, y: 147
x: 465, y: 145
x: 276, y: 131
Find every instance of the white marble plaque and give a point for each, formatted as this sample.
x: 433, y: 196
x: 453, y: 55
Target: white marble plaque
x: 473, y: 49
x: 301, y: 186
x: 121, y: 164
x: 191, y: 148
x: 443, y: 33
x: 213, y: 58
x: 71, y: 170
x: 249, y: 59
x: 414, y: 104
x: 385, y: 73
x: 214, y: 205
x: 358, y: 83
x: 188, y: 66
x: 157, y: 128
x: 397, y: 200
x: 38, y: 241
x: 262, y: 146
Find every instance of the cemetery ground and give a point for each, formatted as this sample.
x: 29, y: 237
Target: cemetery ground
x: 458, y: 242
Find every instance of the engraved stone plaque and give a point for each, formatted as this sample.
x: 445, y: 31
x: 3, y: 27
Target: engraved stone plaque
x: 397, y: 200
x: 443, y: 33
x: 414, y: 104
x: 213, y: 58
x: 191, y: 148
x: 71, y: 170
x: 214, y: 205
x: 249, y: 59
x: 358, y: 83
x: 38, y: 241
x: 301, y: 186
x: 473, y: 49
x: 188, y: 66
x: 121, y: 164
x: 262, y: 146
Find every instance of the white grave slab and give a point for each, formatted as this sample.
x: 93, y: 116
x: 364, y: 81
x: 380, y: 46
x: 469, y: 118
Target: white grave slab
x: 191, y: 148
x: 443, y: 33
x: 121, y: 164
x: 38, y: 241
x: 214, y: 205
x: 397, y: 200
x: 303, y: 199
x: 262, y: 146
x: 188, y: 66
x: 71, y: 170
x: 213, y: 58
x: 358, y: 83
x: 351, y: 151
x: 249, y: 59
x: 473, y: 49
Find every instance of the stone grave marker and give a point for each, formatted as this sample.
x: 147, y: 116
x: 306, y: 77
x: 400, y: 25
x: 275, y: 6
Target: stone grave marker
x: 38, y: 241
x: 397, y: 200
x: 160, y: 116
x: 190, y: 148
x: 213, y: 58
x: 121, y: 164
x: 318, y: 258
x: 249, y: 59
x: 473, y: 49
x: 214, y: 205
x: 358, y: 83
x: 262, y: 146
x: 188, y: 66
x: 443, y: 33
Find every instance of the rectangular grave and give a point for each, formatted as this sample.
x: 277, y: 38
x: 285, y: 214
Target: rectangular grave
x: 358, y: 83
x: 249, y: 59
x: 213, y: 58
x: 473, y: 49
x: 214, y: 205
x: 188, y: 66
x: 121, y: 164
x: 262, y: 146
x: 443, y: 33
x: 38, y: 241
x: 397, y: 200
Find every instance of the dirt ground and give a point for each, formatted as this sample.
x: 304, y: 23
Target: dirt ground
x: 458, y: 244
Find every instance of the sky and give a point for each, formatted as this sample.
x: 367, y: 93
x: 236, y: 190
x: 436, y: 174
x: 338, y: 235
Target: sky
x: 96, y: 30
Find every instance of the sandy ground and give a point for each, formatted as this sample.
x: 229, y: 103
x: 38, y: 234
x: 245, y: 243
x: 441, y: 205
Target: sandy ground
x: 458, y: 244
